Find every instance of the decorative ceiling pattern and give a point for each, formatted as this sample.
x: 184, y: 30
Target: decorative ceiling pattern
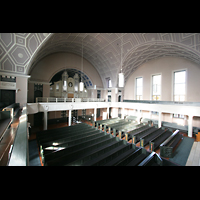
x: 17, y: 49
x: 19, y: 52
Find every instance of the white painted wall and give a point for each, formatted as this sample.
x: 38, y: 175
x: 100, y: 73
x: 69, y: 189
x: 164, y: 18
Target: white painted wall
x: 52, y: 64
x: 165, y: 66
x: 21, y: 86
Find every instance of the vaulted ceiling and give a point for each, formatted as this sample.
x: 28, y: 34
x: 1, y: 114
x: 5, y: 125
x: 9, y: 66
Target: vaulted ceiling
x: 19, y: 53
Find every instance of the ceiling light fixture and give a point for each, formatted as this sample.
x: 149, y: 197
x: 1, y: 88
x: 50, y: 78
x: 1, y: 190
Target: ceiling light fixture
x: 81, y: 84
x: 121, y: 75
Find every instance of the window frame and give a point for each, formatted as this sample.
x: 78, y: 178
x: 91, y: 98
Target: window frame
x: 138, y: 97
x: 152, y: 94
x: 173, y: 90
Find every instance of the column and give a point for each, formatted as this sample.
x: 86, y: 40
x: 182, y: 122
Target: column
x: 138, y: 115
x: 70, y: 118
x: 190, y: 119
x: 45, y: 120
x: 122, y: 114
x: 95, y: 114
x: 107, y: 112
x: 159, y: 119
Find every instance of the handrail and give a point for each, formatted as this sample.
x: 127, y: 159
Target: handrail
x: 19, y: 154
x: 57, y: 100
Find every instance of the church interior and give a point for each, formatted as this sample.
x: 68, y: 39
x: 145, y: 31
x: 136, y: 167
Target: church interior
x: 99, y: 99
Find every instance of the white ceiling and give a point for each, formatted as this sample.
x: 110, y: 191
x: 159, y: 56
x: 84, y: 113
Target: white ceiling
x: 102, y: 50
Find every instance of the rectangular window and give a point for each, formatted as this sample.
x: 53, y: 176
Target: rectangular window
x: 109, y: 83
x: 98, y: 94
x: 139, y: 88
x: 156, y: 87
x: 57, y: 87
x: 178, y: 116
x: 179, y: 85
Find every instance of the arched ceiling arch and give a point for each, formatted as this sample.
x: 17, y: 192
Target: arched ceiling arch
x: 19, y: 52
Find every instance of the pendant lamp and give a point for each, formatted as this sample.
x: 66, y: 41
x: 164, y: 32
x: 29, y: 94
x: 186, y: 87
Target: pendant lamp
x: 121, y: 75
x: 81, y: 84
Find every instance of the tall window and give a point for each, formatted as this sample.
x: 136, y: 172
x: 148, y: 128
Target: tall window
x: 109, y: 83
x: 156, y: 87
x: 179, y: 85
x: 139, y: 87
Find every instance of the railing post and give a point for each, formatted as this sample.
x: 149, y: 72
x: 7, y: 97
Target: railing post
x: 47, y: 99
x: 56, y: 100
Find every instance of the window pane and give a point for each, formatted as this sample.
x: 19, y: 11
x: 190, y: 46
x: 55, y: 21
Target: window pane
x: 180, y: 77
x: 139, y: 87
x: 109, y: 83
x: 158, y: 98
x: 157, y: 85
x: 139, y: 91
x: 176, y: 98
x: 179, y: 89
x: 182, y: 98
x: 157, y: 79
x: 139, y: 82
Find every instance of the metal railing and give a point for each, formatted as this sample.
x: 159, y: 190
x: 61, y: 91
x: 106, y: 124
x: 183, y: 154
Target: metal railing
x: 57, y: 100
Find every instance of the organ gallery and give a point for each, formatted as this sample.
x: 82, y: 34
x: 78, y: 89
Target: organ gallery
x: 68, y: 87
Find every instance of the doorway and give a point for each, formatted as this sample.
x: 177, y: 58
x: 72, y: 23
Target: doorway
x: 7, y: 96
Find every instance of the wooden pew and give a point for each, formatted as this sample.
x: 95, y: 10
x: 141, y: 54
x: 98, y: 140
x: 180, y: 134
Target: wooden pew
x: 135, y: 158
x: 144, y: 140
x: 152, y: 160
x: 58, y: 135
x: 136, y: 137
x: 155, y: 143
x: 5, y: 122
x: 64, y: 157
x: 122, y: 156
x: 167, y: 147
x: 129, y: 134
x: 97, y: 123
x: 79, y: 136
x: 109, y: 155
x: 72, y: 143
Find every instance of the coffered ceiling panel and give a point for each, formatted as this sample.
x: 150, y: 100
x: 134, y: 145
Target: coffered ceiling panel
x: 20, y: 52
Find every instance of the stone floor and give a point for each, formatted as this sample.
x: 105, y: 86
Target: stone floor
x: 194, y: 156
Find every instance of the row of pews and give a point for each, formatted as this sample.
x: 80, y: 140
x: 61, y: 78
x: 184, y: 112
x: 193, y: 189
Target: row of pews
x: 85, y: 145
x: 144, y: 133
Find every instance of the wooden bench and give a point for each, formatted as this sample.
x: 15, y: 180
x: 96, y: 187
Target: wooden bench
x: 136, y: 137
x: 122, y: 156
x: 109, y: 155
x: 62, y: 134
x: 5, y: 122
x: 64, y: 157
x: 72, y: 144
x: 155, y: 143
x: 13, y: 108
x: 152, y: 160
x: 97, y: 123
x: 168, y: 146
x: 135, y: 158
x: 150, y: 136
x: 91, y: 147
x: 129, y: 134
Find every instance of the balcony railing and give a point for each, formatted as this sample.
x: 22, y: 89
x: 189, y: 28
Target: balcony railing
x: 57, y: 100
